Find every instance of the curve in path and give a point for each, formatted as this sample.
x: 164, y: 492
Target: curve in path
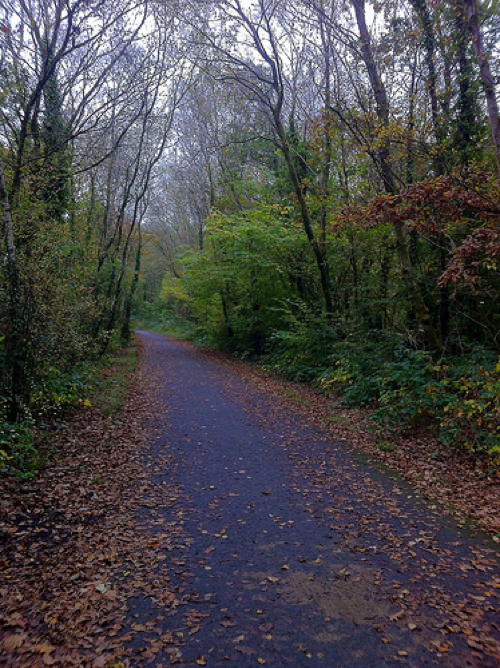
x: 294, y: 552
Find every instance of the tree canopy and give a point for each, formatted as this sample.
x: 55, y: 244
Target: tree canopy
x: 316, y: 182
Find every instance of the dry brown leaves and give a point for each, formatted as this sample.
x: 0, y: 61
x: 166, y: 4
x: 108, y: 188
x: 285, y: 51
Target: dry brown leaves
x: 72, y: 552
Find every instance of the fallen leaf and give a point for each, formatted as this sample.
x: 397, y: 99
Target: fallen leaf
x: 13, y: 641
x: 45, y: 648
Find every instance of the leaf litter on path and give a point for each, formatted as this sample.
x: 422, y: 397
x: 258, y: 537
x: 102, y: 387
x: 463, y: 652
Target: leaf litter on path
x: 88, y: 541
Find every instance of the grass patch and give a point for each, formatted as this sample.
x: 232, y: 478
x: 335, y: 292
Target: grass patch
x: 116, y: 381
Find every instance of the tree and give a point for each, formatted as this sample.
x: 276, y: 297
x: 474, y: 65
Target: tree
x: 81, y: 83
x: 263, y: 81
x: 472, y: 18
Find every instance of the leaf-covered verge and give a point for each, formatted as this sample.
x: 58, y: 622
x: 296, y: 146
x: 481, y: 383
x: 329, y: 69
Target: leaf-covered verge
x: 72, y: 554
x: 464, y: 484
x: 25, y: 445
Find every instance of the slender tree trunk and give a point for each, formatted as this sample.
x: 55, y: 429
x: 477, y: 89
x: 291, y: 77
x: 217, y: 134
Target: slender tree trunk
x: 415, y: 299
x: 327, y: 135
x: 354, y: 265
x: 133, y: 288
x: 15, y: 354
x: 225, y: 312
x: 422, y: 10
x: 304, y: 215
x: 410, y: 148
x: 485, y: 72
x: 444, y: 293
x: 385, y: 265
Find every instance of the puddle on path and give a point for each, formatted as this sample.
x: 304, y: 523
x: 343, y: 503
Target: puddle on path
x: 347, y: 594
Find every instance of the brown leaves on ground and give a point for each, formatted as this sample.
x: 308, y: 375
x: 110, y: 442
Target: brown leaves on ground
x: 72, y: 553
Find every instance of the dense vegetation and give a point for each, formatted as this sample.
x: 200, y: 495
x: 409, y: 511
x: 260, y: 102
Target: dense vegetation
x: 352, y: 179
x: 88, y: 94
x: 312, y: 183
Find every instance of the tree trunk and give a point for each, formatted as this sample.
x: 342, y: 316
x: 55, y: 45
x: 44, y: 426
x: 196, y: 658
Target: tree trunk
x: 133, y: 288
x: 486, y: 75
x: 422, y: 10
x: 417, y: 304
x: 426, y: 331
x: 319, y: 256
x: 410, y: 145
x: 14, y: 342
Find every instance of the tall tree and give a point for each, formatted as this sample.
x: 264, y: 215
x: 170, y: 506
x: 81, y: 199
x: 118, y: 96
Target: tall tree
x: 487, y: 80
x: 263, y: 79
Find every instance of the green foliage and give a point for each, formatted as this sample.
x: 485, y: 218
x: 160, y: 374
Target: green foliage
x: 354, y: 366
x: 253, y: 290
x: 302, y: 349
x: 164, y: 317
x: 18, y: 455
x: 459, y: 398
x: 235, y: 286
x: 53, y: 393
x: 57, y: 390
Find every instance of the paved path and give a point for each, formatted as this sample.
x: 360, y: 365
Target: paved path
x: 294, y: 552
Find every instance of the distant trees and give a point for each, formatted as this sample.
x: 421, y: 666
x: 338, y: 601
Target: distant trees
x: 357, y: 134
x: 88, y: 96
x: 344, y: 115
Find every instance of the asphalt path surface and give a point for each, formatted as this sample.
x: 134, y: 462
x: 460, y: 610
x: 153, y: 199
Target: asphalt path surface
x: 294, y: 551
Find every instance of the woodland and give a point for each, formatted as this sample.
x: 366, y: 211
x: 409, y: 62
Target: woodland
x: 314, y: 184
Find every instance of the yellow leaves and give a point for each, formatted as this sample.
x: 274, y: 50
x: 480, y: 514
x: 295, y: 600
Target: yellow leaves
x: 45, y: 648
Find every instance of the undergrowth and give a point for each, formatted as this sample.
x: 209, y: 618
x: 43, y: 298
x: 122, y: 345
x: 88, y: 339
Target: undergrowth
x: 104, y: 383
x: 455, y: 396
x: 164, y: 319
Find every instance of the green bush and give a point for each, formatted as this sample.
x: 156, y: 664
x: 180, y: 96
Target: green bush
x: 18, y: 454
x: 355, y: 367
x: 458, y: 397
x: 302, y: 350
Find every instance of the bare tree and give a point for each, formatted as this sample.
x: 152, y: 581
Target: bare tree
x: 251, y: 45
x: 472, y: 18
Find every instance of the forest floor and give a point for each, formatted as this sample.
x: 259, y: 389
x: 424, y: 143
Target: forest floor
x: 225, y: 517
